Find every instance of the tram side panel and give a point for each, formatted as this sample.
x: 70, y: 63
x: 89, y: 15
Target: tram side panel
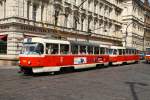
x: 116, y: 59
x: 132, y: 58
x: 73, y: 60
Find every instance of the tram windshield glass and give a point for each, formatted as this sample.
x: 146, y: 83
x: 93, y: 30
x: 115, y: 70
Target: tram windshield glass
x: 32, y: 48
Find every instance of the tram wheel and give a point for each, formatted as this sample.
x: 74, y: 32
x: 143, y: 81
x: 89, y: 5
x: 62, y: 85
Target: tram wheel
x: 27, y: 71
x: 110, y: 63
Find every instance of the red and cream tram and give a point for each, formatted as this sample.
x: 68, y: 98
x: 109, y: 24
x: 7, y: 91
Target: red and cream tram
x: 49, y: 55
x: 121, y: 55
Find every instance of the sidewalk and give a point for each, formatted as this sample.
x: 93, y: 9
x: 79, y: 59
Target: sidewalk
x: 8, y: 61
x: 9, y: 67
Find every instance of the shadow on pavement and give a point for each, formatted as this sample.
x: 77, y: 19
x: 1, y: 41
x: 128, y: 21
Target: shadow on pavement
x: 133, y: 90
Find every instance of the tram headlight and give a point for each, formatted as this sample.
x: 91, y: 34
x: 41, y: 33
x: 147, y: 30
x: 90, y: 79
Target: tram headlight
x: 29, y: 62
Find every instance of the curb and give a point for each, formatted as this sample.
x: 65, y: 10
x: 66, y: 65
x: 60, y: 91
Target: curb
x: 9, y: 67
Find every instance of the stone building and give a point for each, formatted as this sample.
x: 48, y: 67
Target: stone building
x: 136, y: 25
x: 98, y: 21
x: 133, y: 28
x: 147, y: 25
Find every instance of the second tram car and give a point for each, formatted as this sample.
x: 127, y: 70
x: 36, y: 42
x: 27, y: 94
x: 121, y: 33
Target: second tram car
x: 120, y: 55
x: 49, y: 55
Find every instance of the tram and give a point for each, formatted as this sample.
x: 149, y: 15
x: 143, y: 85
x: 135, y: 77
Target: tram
x: 121, y: 55
x: 50, y: 55
x: 147, y: 56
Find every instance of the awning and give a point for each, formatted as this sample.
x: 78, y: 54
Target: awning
x: 3, y: 37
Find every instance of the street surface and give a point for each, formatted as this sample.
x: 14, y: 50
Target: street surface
x: 128, y: 82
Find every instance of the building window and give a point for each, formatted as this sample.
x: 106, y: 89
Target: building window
x: 56, y: 17
x: 34, y: 12
x: 3, y: 44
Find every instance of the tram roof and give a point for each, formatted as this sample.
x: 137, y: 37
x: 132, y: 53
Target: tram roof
x: 43, y: 40
x: 84, y: 43
x: 105, y: 46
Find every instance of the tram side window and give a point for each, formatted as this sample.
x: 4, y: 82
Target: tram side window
x: 102, y: 50
x: 40, y: 48
x: 115, y: 52
x: 74, y: 49
x: 90, y: 50
x: 133, y: 51
x: 127, y: 51
x: 137, y: 51
x: 51, y: 48
x: 124, y: 52
x: 130, y: 51
x: 120, y: 52
x: 106, y: 51
x: 82, y: 49
x: 96, y: 50
x: 64, y: 49
x: 111, y: 51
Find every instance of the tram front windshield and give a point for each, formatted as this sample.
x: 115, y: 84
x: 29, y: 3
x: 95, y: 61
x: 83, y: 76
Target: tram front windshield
x: 32, y: 48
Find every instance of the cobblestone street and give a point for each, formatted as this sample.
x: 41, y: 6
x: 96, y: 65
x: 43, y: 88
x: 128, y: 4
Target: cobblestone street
x: 128, y: 82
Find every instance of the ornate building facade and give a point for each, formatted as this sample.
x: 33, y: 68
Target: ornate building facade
x: 98, y: 21
x: 147, y: 25
x: 133, y: 19
x: 136, y: 28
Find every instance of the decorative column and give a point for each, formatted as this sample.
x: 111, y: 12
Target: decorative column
x: 25, y: 9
